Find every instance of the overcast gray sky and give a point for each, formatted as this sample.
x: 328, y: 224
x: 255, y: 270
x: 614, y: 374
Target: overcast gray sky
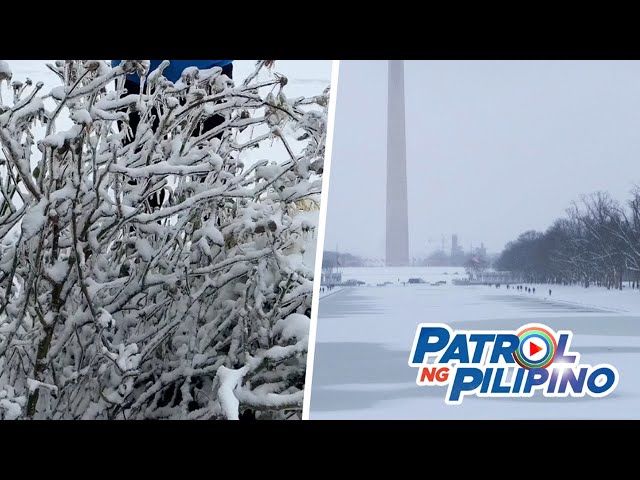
x: 494, y: 148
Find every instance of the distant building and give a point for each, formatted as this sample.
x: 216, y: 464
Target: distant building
x: 457, y: 256
x: 481, y: 251
x: 457, y: 252
x: 330, y: 274
x: 329, y: 277
x: 438, y: 259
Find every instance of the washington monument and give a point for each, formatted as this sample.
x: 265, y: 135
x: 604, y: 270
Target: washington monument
x: 397, y: 242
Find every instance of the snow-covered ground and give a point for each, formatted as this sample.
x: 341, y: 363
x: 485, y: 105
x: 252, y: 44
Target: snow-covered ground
x: 325, y: 292
x: 365, y: 334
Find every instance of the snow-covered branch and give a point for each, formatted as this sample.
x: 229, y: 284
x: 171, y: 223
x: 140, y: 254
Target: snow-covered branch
x: 155, y: 273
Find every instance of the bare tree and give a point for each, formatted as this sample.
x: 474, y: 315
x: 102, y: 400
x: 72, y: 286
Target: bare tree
x: 597, y: 243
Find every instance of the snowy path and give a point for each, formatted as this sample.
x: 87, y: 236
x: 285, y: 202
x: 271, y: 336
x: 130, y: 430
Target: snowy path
x: 364, y: 337
x: 328, y: 293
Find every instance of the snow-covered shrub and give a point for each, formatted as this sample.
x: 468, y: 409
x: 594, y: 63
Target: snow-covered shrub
x: 115, y: 307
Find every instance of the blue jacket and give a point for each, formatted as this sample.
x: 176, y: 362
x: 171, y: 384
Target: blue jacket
x: 176, y: 67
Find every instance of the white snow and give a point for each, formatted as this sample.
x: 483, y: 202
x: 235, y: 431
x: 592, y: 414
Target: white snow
x: 82, y: 117
x: 58, y: 271
x: 144, y: 248
x: 293, y: 326
x: 270, y: 399
x: 365, y: 334
x: 128, y: 357
x: 34, y: 385
x: 5, y: 76
x: 172, y: 102
x: 5, y: 71
x: 57, y: 139
x: 229, y: 380
x: 105, y: 320
x: 35, y: 219
x: 9, y: 410
x: 211, y: 233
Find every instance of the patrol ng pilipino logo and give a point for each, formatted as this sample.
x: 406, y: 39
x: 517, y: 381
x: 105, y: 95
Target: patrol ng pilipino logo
x: 499, y: 363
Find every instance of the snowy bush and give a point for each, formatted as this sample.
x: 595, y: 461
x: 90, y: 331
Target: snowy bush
x: 155, y: 276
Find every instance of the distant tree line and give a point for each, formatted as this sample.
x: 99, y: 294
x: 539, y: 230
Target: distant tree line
x: 339, y: 259
x: 596, y: 243
x: 440, y: 258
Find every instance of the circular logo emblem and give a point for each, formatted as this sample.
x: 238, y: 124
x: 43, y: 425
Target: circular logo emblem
x: 537, y: 348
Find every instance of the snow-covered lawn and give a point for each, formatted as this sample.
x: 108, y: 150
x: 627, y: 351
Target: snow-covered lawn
x: 626, y: 300
x: 325, y: 292
x: 365, y: 334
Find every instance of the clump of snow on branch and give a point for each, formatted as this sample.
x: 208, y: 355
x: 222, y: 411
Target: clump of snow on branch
x: 155, y: 275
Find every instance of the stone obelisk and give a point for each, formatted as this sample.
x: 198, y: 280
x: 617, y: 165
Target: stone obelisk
x: 397, y: 243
